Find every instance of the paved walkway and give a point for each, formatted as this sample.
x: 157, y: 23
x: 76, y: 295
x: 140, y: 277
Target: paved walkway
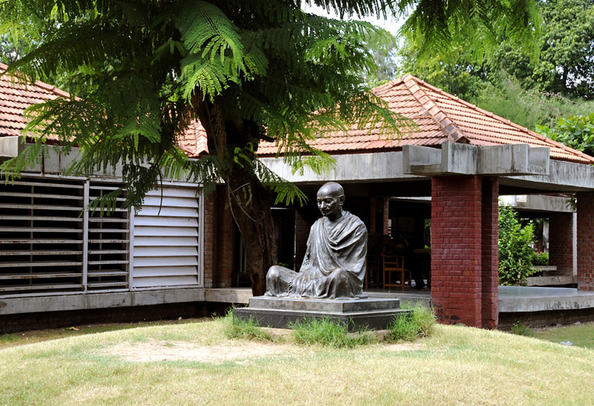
x: 532, y: 299
x: 512, y: 299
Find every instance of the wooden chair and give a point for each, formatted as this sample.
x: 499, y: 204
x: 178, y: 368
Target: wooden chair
x: 394, y: 270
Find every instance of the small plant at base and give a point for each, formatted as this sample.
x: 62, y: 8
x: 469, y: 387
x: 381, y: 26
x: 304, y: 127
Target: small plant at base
x: 331, y: 333
x: 521, y: 330
x: 416, y: 324
x: 241, y: 329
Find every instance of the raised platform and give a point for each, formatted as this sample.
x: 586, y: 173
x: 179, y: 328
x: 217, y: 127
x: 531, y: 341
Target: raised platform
x: 355, y: 314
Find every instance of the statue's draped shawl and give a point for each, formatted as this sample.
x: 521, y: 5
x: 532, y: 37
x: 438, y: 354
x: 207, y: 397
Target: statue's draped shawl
x: 334, y: 263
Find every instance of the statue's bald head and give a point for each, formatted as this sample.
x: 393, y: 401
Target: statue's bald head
x: 332, y: 188
x: 330, y: 200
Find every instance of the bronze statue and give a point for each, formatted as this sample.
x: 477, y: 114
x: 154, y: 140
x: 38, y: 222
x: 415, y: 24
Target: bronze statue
x: 334, y: 263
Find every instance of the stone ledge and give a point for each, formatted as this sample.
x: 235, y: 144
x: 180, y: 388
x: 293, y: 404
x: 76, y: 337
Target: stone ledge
x: 356, y: 315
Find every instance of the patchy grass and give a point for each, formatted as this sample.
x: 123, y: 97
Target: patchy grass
x: 196, y: 363
x: 36, y: 336
x: 579, y: 335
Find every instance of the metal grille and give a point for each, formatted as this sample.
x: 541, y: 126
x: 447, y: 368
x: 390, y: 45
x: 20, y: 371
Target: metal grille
x: 41, y: 236
x: 108, y: 242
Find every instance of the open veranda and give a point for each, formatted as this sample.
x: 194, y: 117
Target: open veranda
x: 197, y: 363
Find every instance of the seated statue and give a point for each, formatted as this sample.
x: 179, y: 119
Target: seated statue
x: 334, y: 263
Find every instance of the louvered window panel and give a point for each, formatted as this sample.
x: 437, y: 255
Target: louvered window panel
x: 108, y: 243
x: 166, y: 240
x: 41, y: 236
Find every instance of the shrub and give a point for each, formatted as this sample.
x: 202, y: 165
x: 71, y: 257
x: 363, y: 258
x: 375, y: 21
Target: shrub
x: 540, y: 258
x: 327, y: 332
x: 515, y: 251
x: 417, y: 324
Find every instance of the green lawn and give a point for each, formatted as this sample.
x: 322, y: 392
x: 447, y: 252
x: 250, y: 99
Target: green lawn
x: 195, y: 363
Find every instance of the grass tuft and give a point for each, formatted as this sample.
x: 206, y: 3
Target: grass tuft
x: 329, y: 333
x: 417, y: 324
x: 248, y: 330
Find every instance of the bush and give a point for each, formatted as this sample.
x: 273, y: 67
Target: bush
x: 540, y: 258
x: 515, y: 251
x: 330, y: 333
x: 417, y: 324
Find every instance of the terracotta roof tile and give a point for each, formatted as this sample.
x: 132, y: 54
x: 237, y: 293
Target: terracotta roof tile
x: 439, y: 117
x: 16, y: 96
x: 194, y: 140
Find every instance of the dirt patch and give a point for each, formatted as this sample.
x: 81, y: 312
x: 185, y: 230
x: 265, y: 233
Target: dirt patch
x: 182, y: 351
x: 216, y: 354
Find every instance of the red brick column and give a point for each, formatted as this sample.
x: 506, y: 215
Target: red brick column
x: 456, y: 249
x: 490, y: 252
x: 209, y: 239
x: 225, y: 238
x: 561, y: 242
x: 585, y: 241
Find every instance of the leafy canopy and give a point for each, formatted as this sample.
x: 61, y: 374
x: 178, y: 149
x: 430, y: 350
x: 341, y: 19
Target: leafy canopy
x: 249, y: 70
x: 146, y: 69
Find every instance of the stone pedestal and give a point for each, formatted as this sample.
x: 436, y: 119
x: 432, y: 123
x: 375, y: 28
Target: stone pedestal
x: 356, y: 314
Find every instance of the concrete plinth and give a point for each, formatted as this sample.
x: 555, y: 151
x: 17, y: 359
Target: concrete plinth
x: 356, y: 315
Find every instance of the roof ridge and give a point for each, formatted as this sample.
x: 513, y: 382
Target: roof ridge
x: 451, y: 129
x: 509, y: 122
x: 494, y: 116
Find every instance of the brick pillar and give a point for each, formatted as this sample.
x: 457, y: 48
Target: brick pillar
x: 456, y: 249
x: 209, y: 239
x: 561, y: 242
x: 219, y: 237
x: 490, y: 252
x: 585, y: 241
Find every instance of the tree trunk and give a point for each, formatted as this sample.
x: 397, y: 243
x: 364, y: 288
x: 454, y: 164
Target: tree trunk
x: 250, y: 202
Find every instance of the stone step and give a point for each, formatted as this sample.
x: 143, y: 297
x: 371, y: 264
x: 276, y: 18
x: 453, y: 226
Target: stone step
x: 355, y: 315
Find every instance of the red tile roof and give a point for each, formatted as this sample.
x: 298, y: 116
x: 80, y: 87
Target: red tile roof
x: 16, y: 96
x: 194, y: 140
x: 439, y: 117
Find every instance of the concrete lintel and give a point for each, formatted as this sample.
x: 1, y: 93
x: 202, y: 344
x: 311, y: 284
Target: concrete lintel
x: 9, y: 146
x: 377, y: 166
x: 99, y: 300
x: 418, y: 160
x: 464, y: 159
x: 540, y: 203
x: 563, y: 176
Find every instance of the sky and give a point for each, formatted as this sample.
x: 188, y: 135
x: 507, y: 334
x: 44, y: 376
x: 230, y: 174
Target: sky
x: 391, y: 24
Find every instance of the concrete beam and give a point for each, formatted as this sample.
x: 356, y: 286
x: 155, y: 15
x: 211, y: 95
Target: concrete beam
x: 540, y: 203
x: 463, y: 159
x: 378, y: 166
x: 562, y: 176
x: 102, y: 300
x: 9, y: 146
